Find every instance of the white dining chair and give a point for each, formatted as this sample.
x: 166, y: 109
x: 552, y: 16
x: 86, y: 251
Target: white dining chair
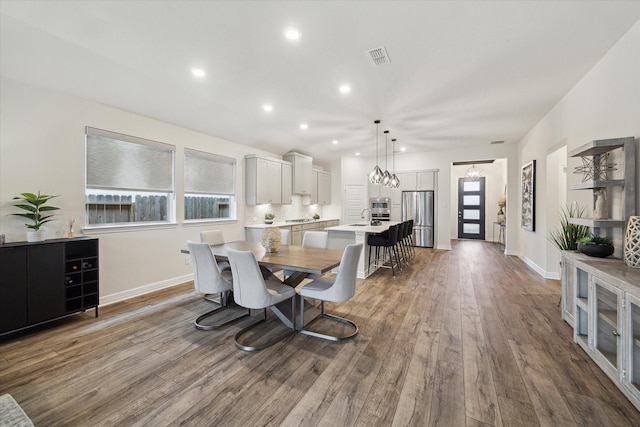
x: 311, y: 239
x: 215, y: 237
x: 252, y: 291
x: 284, y: 237
x: 341, y: 289
x: 209, y: 280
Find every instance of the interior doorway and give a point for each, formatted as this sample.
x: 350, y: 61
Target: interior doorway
x: 471, y: 208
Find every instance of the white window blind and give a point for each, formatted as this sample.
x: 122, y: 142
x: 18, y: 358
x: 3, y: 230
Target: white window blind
x: 124, y: 162
x: 206, y: 173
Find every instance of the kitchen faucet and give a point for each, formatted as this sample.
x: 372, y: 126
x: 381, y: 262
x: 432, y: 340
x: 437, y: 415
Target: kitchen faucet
x: 363, y: 211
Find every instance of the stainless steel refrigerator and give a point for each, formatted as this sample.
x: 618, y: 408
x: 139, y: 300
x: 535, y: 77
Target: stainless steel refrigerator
x: 418, y: 205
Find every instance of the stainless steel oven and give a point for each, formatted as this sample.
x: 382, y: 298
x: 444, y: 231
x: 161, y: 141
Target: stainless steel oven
x: 380, y: 208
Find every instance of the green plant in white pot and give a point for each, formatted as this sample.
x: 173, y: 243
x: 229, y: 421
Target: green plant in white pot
x: 36, y: 213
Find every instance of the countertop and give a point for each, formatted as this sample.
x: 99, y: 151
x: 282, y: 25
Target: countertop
x: 288, y: 224
x: 364, y: 228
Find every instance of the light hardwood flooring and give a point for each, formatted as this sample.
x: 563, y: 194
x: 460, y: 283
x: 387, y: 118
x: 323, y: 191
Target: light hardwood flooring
x: 468, y: 337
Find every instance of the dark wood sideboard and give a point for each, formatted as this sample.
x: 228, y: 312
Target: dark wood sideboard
x: 44, y: 281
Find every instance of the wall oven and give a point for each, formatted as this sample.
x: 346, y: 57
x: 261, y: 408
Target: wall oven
x: 380, y: 208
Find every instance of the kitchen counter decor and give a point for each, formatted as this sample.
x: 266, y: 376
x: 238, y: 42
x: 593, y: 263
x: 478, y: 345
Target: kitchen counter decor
x: 271, y: 238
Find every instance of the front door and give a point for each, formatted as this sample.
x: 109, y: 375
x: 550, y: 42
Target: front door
x: 471, y: 208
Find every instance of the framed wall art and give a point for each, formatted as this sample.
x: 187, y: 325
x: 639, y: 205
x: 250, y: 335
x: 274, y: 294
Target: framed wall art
x: 527, y: 219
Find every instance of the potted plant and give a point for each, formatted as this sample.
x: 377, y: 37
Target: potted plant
x: 566, y: 238
x: 596, y: 246
x: 36, y: 213
x: 316, y: 216
x: 268, y: 218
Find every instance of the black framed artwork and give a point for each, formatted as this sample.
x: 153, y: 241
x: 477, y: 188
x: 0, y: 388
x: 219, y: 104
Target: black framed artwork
x: 528, y: 193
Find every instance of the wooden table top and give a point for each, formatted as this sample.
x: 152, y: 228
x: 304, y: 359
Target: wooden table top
x: 296, y: 258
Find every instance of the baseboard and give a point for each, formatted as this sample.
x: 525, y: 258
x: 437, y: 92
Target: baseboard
x: 552, y: 276
x: 534, y: 266
x: 135, y: 292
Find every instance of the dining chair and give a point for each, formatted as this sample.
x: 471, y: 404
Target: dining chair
x: 215, y: 237
x: 311, y: 239
x: 252, y: 291
x: 341, y: 289
x: 387, y: 243
x: 208, y: 279
x: 284, y: 237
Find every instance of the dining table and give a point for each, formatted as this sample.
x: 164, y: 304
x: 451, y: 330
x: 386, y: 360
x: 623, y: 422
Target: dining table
x: 299, y: 260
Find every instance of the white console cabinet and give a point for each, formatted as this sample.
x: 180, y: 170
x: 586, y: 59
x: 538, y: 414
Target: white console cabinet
x: 601, y: 300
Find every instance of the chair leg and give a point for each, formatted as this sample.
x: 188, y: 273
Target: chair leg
x: 247, y: 347
x: 330, y: 317
x: 222, y: 306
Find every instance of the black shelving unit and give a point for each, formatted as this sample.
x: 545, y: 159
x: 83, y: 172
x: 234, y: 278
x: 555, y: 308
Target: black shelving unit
x: 44, y: 281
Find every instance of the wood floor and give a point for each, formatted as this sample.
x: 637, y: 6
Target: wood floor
x: 467, y: 337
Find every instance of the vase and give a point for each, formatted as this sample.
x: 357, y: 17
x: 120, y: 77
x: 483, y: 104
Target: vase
x: 35, y: 236
x: 632, y: 242
x: 271, y: 238
x: 596, y: 250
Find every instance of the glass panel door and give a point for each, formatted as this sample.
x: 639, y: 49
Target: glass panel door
x: 607, y: 326
x: 471, y: 223
x: 633, y: 341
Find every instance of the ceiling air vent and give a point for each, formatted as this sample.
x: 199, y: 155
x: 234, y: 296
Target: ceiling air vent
x: 378, y: 56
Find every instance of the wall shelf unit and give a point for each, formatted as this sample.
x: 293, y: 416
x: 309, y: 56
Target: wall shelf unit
x: 624, y: 185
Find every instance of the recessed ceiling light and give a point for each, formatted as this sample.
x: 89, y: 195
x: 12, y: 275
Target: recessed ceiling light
x: 304, y: 126
x: 291, y: 34
x: 357, y: 154
x: 198, y: 72
x: 335, y: 141
x: 345, y: 89
x: 403, y: 148
x: 496, y: 142
x: 267, y: 107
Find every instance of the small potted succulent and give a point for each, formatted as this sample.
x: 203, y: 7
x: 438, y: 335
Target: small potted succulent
x: 595, y: 246
x: 268, y: 218
x: 316, y: 216
x: 36, y: 213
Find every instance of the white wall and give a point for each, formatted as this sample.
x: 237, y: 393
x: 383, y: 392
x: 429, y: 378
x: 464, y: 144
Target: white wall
x: 605, y: 103
x: 42, y: 148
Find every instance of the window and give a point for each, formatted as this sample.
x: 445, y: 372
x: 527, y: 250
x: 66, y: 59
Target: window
x: 209, y: 186
x: 129, y: 180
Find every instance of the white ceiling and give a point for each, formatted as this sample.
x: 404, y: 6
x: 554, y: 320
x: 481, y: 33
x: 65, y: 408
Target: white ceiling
x: 461, y: 73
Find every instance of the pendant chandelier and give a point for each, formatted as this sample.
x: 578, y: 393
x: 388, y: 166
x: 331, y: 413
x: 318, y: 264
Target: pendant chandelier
x: 386, y: 176
x: 375, y: 176
x: 395, y: 181
x: 474, y: 173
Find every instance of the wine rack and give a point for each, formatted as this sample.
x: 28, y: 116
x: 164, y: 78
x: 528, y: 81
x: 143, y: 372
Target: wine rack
x: 81, y: 275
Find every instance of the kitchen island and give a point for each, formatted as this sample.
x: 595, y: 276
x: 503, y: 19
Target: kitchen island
x: 343, y: 235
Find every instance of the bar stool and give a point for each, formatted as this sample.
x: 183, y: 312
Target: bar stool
x: 400, y: 243
x: 388, y: 242
x: 410, y: 238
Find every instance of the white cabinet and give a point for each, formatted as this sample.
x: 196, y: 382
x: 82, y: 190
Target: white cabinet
x: 606, y: 316
x: 412, y: 181
x: 322, y: 188
x: 263, y: 181
x: 631, y: 380
x: 302, y: 172
x: 287, y: 188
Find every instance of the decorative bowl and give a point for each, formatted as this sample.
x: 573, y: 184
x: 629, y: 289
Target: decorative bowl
x: 595, y: 250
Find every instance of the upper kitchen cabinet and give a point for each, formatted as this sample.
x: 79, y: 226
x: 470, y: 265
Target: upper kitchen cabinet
x: 264, y: 181
x: 413, y: 181
x: 287, y: 187
x: 302, y: 173
x: 322, y: 188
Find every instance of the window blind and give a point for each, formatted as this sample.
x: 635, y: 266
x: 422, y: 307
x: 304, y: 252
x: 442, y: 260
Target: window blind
x: 206, y: 173
x: 124, y: 162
